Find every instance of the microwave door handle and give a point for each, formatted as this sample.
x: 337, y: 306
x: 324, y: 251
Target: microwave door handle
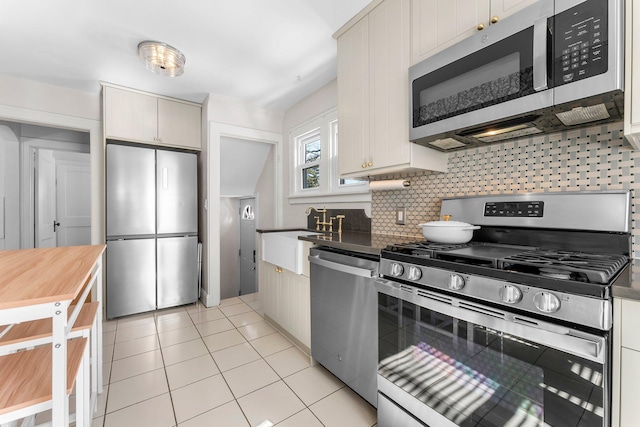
x: 540, y: 54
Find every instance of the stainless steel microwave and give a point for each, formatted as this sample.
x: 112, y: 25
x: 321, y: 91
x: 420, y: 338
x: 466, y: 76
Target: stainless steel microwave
x: 557, y: 64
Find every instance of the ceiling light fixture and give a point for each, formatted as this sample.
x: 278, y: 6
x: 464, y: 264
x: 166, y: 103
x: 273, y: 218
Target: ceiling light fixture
x: 161, y: 58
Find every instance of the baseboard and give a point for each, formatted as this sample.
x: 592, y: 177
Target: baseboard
x: 306, y: 350
x: 208, y: 300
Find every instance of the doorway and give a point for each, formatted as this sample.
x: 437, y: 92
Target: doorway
x: 247, y: 275
x: 45, y: 186
x: 246, y: 172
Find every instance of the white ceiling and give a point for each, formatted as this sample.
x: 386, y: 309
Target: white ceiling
x: 251, y: 50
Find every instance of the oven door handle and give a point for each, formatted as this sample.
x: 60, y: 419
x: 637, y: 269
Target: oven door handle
x: 540, y: 31
x: 343, y: 268
x: 592, y: 347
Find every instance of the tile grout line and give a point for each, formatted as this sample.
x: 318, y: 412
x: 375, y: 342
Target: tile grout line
x: 156, y: 322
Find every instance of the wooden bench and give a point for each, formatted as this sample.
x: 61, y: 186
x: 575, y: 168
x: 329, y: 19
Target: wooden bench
x: 34, y: 391
x: 21, y: 392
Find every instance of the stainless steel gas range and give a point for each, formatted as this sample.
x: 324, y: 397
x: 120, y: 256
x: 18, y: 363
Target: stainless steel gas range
x: 512, y: 328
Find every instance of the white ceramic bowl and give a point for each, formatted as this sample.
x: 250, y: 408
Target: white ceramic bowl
x: 453, y: 232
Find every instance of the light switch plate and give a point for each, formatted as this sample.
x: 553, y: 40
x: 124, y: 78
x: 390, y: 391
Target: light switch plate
x: 401, y: 214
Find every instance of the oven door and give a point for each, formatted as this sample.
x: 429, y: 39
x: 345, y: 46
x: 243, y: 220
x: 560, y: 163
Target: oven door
x: 497, y: 73
x: 452, y: 362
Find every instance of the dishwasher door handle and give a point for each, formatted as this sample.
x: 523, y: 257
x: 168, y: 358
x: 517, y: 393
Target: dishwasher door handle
x: 343, y: 268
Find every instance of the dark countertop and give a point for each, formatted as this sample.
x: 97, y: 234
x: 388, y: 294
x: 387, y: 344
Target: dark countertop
x: 356, y: 241
x: 628, y: 286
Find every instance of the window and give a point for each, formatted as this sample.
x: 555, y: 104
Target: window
x: 314, y: 170
x: 310, y: 150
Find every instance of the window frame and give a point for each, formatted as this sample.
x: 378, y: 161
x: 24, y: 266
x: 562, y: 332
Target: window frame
x: 326, y: 125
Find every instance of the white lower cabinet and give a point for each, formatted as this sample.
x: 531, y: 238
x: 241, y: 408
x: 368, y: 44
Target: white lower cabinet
x: 286, y: 300
x: 629, y: 387
x: 626, y: 363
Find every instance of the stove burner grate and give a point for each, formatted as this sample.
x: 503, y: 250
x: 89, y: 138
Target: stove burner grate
x: 596, y: 268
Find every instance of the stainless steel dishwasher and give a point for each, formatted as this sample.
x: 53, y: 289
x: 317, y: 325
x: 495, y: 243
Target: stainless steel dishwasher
x: 344, y: 319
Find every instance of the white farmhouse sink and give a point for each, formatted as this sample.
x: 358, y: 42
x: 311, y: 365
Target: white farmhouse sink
x: 285, y: 250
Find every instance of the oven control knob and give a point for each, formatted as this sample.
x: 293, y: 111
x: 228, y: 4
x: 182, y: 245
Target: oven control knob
x: 546, y: 302
x: 510, y: 294
x: 414, y: 273
x: 456, y: 282
x: 396, y: 269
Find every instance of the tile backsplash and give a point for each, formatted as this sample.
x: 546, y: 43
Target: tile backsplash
x: 594, y: 158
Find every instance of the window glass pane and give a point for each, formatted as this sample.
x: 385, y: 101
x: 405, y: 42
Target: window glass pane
x: 311, y: 177
x: 312, y: 151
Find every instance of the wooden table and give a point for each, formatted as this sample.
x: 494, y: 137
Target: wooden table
x: 42, y: 283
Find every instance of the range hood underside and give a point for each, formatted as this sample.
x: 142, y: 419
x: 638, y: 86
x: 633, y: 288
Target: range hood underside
x: 601, y: 109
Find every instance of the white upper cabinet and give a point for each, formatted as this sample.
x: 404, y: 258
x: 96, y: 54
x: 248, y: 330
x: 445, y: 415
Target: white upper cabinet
x: 353, y: 98
x: 179, y: 124
x: 438, y: 24
x: 373, y: 95
x: 632, y: 74
x: 138, y: 117
x: 130, y: 115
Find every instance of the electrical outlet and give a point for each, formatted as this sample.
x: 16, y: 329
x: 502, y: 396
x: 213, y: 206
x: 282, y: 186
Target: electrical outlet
x: 401, y: 214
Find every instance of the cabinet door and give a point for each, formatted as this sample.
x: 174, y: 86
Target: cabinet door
x: 502, y: 8
x: 268, y: 286
x: 632, y: 74
x: 179, y: 124
x: 130, y: 116
x: 437, y: 24
x: 295, y: 310
x: 629, y: 387
x: 389, y: 51
x: 353, y: 98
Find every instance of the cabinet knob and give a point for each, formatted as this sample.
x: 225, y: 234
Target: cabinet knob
x: 370, y: 164
x: 364, y: 165
x: 480, y: 27
x: 494, y: 19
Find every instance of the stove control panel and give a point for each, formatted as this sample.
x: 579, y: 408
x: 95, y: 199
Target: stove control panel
x: 514, y: 209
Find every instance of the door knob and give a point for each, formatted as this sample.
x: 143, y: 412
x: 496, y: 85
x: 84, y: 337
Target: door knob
x: 55, y: 224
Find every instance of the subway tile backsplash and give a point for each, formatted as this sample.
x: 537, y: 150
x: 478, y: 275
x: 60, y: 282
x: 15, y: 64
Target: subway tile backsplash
x: 588, y: 159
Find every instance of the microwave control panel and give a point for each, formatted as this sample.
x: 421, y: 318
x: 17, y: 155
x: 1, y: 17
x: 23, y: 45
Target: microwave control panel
x: 581, y: 42
x: 514, y: 209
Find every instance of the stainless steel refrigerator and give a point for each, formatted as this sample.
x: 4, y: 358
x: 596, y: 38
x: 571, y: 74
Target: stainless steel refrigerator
x: 152, y: 227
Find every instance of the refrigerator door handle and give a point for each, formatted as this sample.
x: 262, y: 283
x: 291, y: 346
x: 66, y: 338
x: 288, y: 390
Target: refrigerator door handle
x: 165, y: 178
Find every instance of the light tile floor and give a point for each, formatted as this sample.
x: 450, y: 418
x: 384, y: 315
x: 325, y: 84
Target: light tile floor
x: 195, y: 366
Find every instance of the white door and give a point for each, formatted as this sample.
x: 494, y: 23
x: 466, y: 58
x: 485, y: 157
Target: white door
x: 73, y: 200
x: 45, y: 196
x: 248, y: 283
x: 9, y: 189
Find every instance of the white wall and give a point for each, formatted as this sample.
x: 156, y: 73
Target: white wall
x: 229, y: 229
x: 203, y: 190
x: 315, y: 104
x: 9, y: 187
x: 265, y: 190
